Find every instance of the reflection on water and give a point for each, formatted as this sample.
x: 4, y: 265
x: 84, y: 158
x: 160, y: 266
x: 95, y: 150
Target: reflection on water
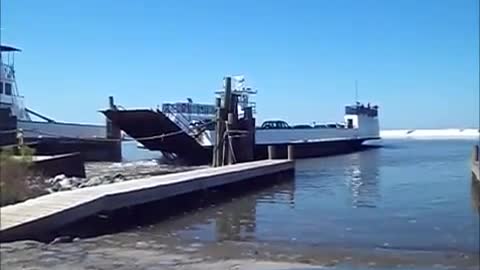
x: 362, y: 178
x: 409, y: 195
x: 234, y: 219
x: 475, y: 191
x: 228, y: 212
x: 237, y: 221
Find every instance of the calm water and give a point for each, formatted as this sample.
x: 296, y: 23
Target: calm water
x: 408, y: 195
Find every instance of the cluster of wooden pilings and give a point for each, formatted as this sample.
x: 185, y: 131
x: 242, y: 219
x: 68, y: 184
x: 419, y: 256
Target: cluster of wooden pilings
x: 235, y: 137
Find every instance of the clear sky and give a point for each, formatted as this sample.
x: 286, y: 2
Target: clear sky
x: 418, y: 60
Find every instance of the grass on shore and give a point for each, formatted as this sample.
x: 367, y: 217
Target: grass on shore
x: 16, y: 175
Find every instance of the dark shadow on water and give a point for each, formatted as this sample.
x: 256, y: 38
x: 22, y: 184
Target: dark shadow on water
x: 367, y: 147
x: 475, y: 192
x: 151, y: 213
x: 388, y: 145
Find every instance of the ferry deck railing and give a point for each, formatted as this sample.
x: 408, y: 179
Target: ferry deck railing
x: 178, y: 118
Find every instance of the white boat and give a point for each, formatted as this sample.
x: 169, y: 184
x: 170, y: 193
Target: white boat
x: 10, y: 98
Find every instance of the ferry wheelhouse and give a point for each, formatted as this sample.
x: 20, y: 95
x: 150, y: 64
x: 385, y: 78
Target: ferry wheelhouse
x: 11, y: 100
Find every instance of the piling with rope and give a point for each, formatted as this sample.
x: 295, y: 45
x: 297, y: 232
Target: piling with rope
x: 235, y: 137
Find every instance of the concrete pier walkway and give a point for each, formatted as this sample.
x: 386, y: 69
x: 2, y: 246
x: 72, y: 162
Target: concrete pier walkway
x: 31, y: 218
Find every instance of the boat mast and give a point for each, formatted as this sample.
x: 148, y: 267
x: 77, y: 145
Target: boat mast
x: 356, y: 91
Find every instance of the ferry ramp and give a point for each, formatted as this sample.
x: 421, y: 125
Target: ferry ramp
x: 157, y: 132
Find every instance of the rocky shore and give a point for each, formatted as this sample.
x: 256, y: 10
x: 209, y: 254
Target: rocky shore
x: 107, y: 173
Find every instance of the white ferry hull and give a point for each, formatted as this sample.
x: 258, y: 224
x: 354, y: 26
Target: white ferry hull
x: 281, y: 136
x: 266, y: 136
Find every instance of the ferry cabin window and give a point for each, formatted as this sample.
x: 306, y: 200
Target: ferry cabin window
x: 1, y: 88
x: 8, y: 89
x: 350, y: 123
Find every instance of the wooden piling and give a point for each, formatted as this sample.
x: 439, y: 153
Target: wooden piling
x: 273, y: 152
x: 221, y: 142
x: 248, y: 140
x: 218, y: 133
x: 114, y: 133
x: 291, y: 152
x: 232, y: 142
x: 227, y: 102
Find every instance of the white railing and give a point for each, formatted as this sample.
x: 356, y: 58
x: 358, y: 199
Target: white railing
x: 178, y: 118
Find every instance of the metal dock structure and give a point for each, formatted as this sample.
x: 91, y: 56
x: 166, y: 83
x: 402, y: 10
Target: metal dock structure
x: 32, y: 218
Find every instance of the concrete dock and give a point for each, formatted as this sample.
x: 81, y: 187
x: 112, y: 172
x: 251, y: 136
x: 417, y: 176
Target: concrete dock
x: 475, y: 163
x: 32, y: 218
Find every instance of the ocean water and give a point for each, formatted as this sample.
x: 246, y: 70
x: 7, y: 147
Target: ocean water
x: 130, y: 152
x: 414, y: 195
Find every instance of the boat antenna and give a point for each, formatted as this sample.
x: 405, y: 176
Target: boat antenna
x: 356, y: 89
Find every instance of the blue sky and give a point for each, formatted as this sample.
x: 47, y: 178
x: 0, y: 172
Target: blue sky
x: 417, y: 59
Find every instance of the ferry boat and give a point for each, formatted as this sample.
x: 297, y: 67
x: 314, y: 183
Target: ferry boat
x: 13, y: 104
x: 194, y: 128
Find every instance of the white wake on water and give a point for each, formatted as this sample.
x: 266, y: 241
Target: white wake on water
x: 431, y: 133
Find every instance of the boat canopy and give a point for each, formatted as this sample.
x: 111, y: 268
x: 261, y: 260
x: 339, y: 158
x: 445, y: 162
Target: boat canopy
x: 5, y: 48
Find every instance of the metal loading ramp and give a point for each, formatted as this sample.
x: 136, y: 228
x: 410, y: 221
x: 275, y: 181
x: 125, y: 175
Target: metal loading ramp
x: 157, y: 132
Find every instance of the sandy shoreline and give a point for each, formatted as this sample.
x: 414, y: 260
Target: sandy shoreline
x: 131, y: 251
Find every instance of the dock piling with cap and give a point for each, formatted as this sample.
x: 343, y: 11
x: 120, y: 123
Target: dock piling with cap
x: 234, y: 136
